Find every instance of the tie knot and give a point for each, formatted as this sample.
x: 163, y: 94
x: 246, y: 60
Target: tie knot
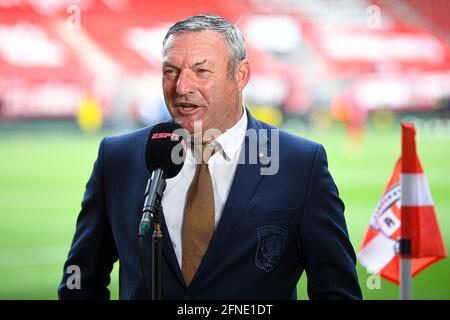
x: 203, y: 152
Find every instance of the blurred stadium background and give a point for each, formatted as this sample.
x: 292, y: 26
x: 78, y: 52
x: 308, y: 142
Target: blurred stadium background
x: 343, y: 72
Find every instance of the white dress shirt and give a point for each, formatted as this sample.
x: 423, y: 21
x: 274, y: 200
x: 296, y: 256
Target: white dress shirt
x: 222, y: 166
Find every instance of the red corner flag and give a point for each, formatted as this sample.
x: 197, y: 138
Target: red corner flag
x: 407, y: 213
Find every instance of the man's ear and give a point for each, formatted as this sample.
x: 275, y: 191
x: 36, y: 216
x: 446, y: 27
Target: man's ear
x: 243, y: 74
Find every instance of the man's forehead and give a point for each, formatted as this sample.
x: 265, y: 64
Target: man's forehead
x: 194, y: 48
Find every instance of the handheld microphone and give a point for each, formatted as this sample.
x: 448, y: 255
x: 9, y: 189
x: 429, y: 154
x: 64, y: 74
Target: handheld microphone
x: 164, y: 157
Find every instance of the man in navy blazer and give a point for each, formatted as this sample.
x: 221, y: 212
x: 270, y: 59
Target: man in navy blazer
x: 280, y: 216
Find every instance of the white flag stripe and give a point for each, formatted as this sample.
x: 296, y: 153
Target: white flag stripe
x: 377, y: 253
x: 415, y: 190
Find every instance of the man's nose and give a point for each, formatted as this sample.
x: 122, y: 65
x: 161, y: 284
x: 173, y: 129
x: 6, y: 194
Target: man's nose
x: 185, y: 83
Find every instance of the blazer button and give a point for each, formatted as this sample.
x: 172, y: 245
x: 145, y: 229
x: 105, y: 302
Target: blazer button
x: 187, y: 298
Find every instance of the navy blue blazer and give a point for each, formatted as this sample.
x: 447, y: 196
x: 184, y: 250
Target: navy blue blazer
x: 273, y: 227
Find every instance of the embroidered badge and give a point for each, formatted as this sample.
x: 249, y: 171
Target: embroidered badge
x: 271, y: 241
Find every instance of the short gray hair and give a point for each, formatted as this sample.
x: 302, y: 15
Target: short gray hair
x: 230, y: 33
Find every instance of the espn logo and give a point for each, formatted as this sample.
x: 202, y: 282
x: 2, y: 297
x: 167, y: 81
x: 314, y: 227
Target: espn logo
x: 164, y: 135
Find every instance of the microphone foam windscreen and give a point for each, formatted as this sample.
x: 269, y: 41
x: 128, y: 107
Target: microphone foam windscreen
x: 158, y: 152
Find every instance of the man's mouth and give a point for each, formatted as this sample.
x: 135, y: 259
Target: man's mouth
x: 187, y: 108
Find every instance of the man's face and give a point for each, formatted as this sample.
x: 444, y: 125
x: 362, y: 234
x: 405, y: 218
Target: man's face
x: 197, y: 84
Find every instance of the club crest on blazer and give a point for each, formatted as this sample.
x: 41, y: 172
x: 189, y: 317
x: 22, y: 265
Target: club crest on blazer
x: 271, y: 242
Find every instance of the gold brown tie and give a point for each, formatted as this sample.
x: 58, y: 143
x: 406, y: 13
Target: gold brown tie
x: 199, y: 217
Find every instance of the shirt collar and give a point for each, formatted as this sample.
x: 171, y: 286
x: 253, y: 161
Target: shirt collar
x: 230, y: 141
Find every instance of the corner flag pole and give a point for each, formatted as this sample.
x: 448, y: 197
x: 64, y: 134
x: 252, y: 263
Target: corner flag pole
x: 408, y: 158
x: 405, y: 270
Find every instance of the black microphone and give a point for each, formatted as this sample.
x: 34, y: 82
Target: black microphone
x: 164, y: 157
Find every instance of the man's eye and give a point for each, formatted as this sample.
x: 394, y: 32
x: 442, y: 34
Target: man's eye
x: 169, y: 71
x: 202, y: 70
